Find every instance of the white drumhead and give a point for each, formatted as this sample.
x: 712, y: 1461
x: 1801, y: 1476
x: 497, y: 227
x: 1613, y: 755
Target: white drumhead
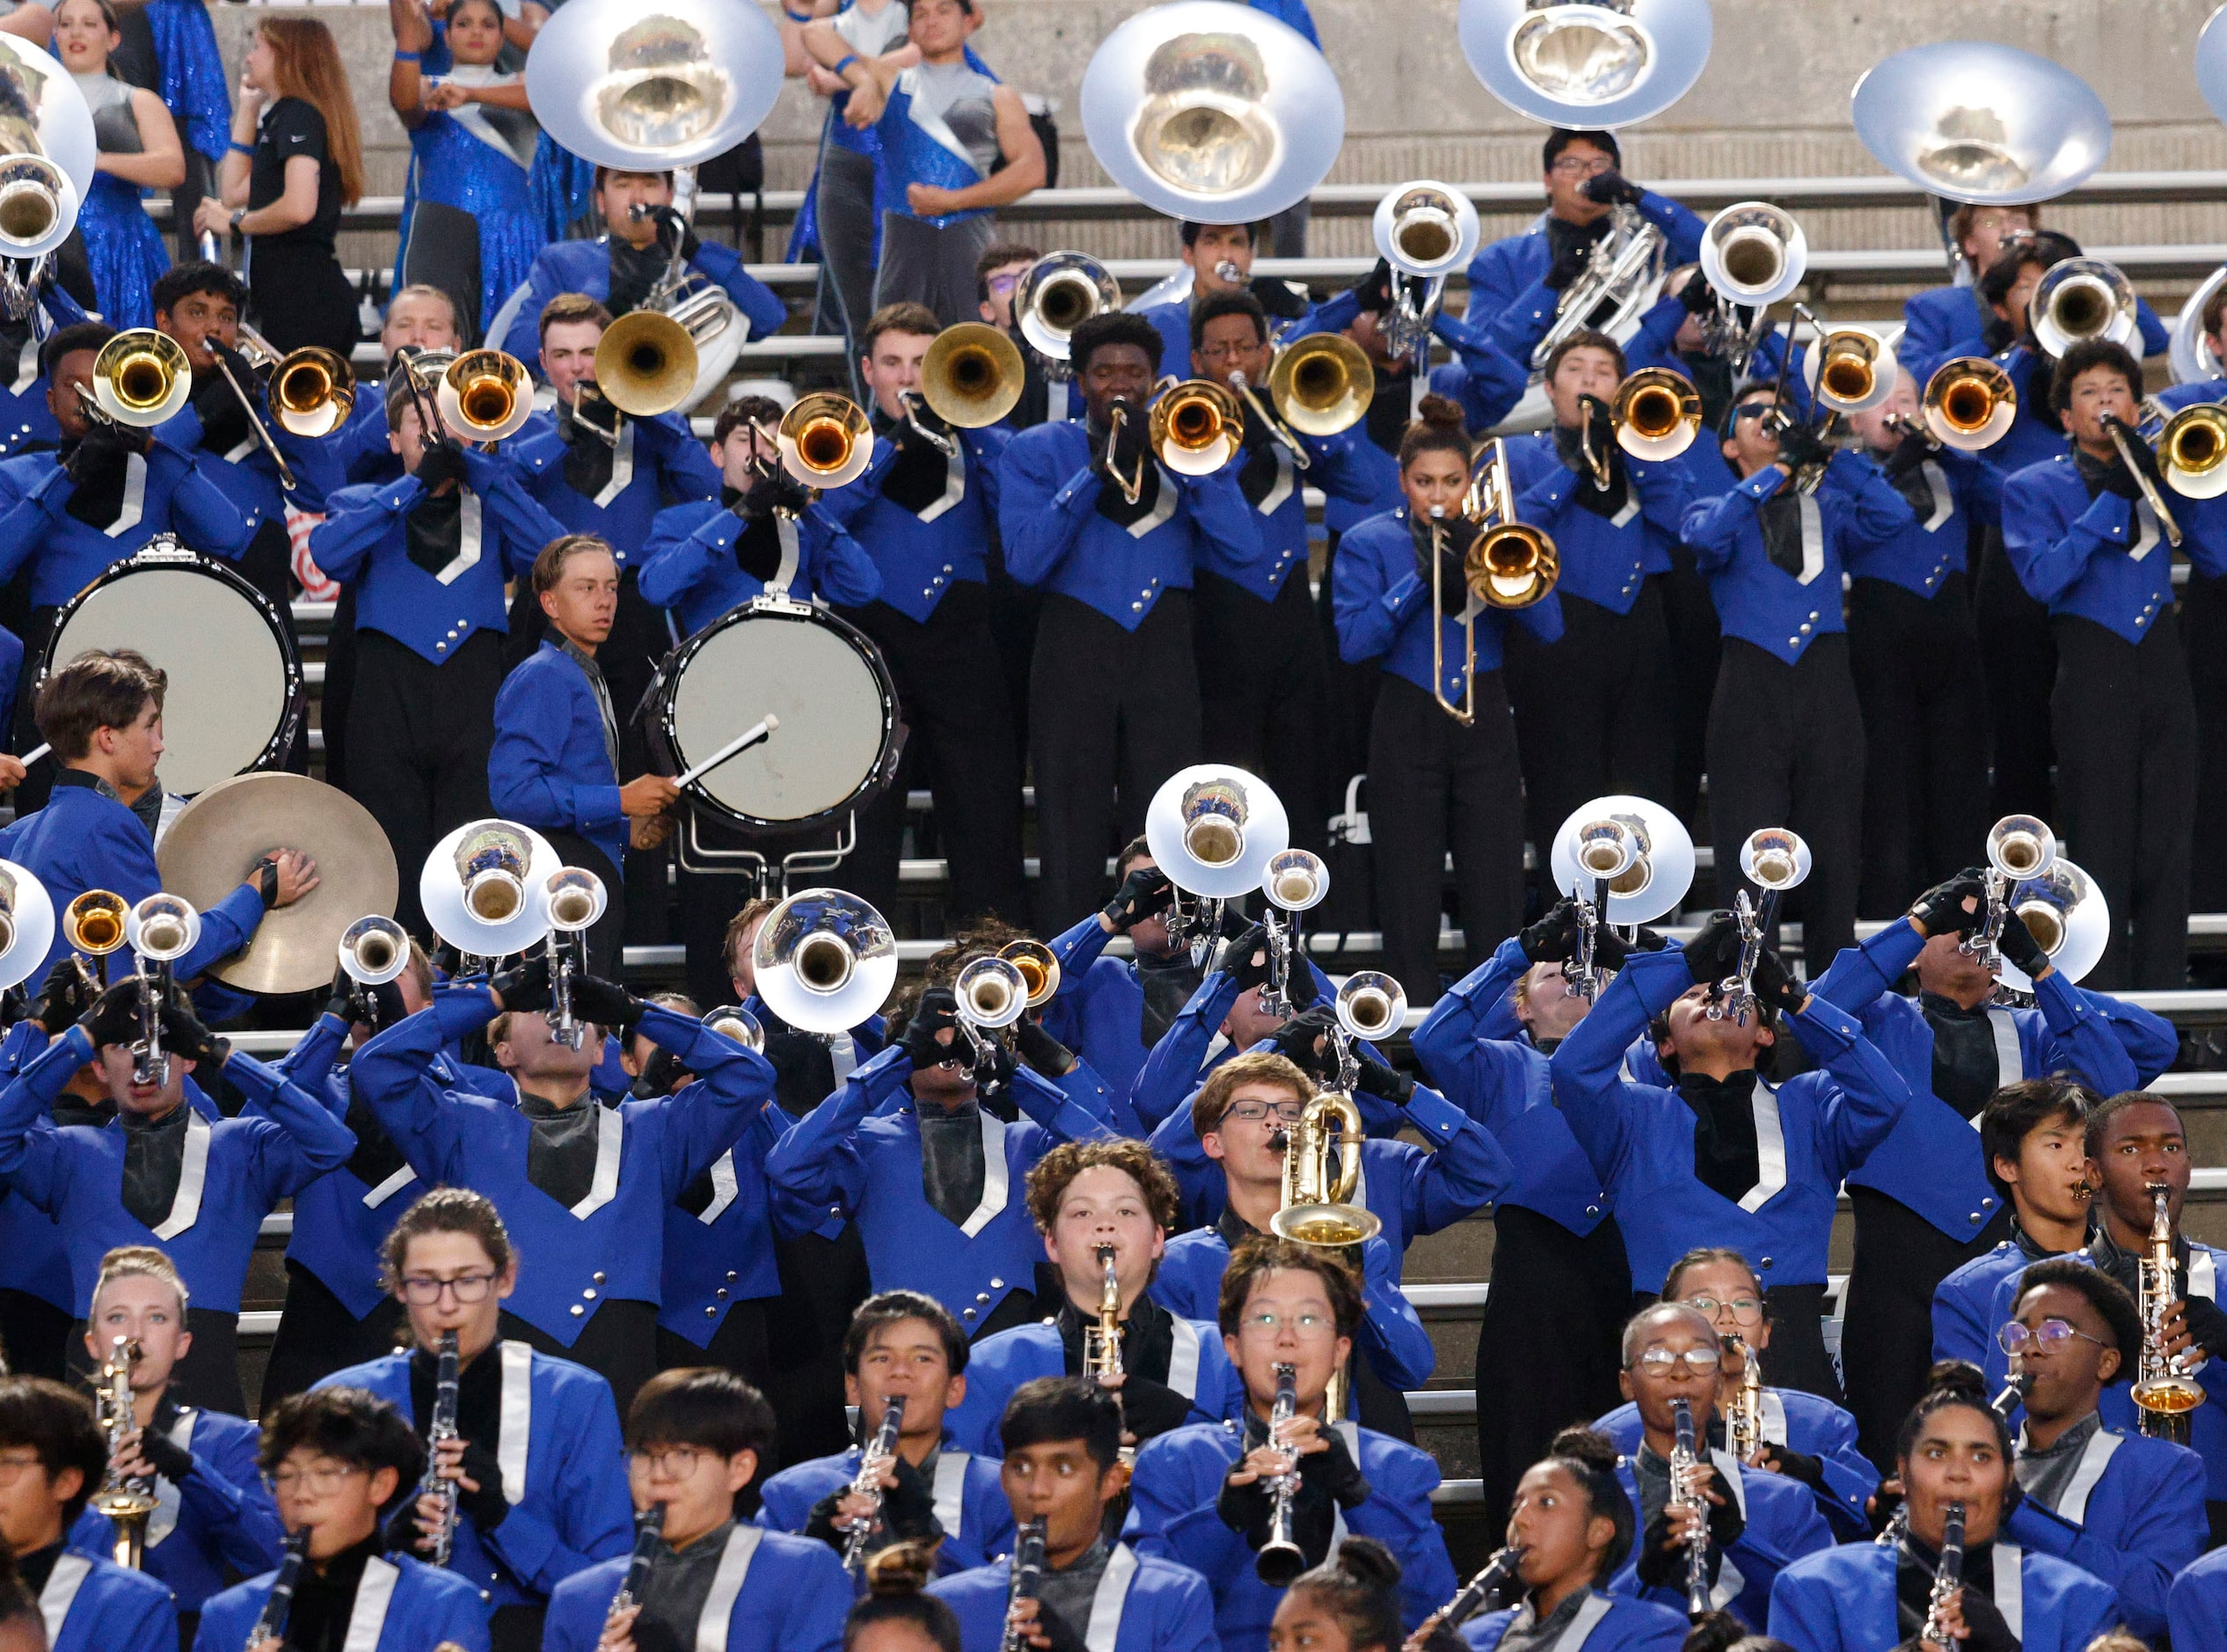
x: 807, y: 674
x: 227, y: 673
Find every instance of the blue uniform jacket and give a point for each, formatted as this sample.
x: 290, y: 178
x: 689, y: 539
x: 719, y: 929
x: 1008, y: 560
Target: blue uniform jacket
x: 567, y: 1487
x: 1783, y: 1525
x: 1507, y: 290
x: 792, y: 1597
x: 918, y: 557
x: 1604, y: 560
x: 1337, y: 466
x: 1098, y: 1011
x: 1200, y: 1371
x: 2197, y: 1608
x: 109, y: 1608
x: 1932, y: 1160
x: 688, y: 564
x: 585, y: 266
x: 1801, y: 1422
x: 1941, y: 323
x: 970, y: 1498
x: 1843, y: 1600
x: 83, y: 840
x: 838, y: 1158
x: 2080, y: 555
x: 1384, y: 610
x: 723, y: 1253
x: 1504, y: 1083
x: 549, y: 766
x: 1640, y: 1136
x: 37, y: 1260
x: 25, y: 421
x: 425, y: 1607
x: 669, y: 467
x: 1485, y: 379
x: 1759, y: 602
x: 1164, y: 1606
x: 2173, y: 398
x: 1055, y: 540
x: 1923, y: 554
x: 76, y: 1174
x: 2132, y: 1517
x: 1964, y: 1301
x: 1625, y: 1626
x: 364, y: 542
x: 1391, y: 1334
x: 224, y: 1520
x: 573, y: 1260
x: 1172, y: 1515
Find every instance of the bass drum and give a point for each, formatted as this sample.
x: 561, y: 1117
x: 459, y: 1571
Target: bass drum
x: 235, y: 695
x: 836, y: 746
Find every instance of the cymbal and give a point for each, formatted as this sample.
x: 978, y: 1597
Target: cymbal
x: 210, y: 846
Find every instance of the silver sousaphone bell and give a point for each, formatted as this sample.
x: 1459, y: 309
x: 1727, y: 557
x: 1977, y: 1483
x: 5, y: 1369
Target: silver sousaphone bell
x: 2067, y: 916
x: 824, y: 960
x: 649, y: 85
x: 26, y: 923
x: 1641, y: 848
x: 46, y: 151
x: 477, y: 888
x: 1213, y: 828
x: 1979, y: 122
x: 1604, y: 63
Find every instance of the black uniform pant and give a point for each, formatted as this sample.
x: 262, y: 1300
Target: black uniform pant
x: 1697, y: 642
x: 1786, y: 749
x: 822, y: 1282
x: 1887, y: 1322
x: 1547, y: 1349
x: 33, y: 1334
x: 317, y: 1335
x: 419, y: 735
x: 1593, y: 710
x: 1113, y: 714
x: 1262, y: 687
x: 2203, y: 616
x: 1434, y: 785
x: 1344, y: 741
x: 2018, y: 658
x: 1917, y: 666
x: 2125, y: 724
x: 951, y: 693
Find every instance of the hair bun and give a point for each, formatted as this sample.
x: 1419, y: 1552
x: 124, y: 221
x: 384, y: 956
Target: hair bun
x: 902, y: 1568
x: 1442, y: 411
x: 1368, y: 1563
x: 1589, y: 1446
x: 1958, y: 1376
x: 1714, y: 1631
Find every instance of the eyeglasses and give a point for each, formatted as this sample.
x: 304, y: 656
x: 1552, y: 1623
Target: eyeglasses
x: 324, y: 1480
x: 1581, y: 166
x: 1253, y: 1112
x: 1658, y: 1362
x: 2016, y: 1338
x: 1268, y: 1324
x: 422, y: 1290
x: 13, y: 1468
x: 1746, y: 1310
x: 674, y: 1462
x: 1751, y: 410
x: 1228, y: 352
x: 1003, y: 284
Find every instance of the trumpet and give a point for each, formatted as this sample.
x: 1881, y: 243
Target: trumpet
x: 375, y: 950
x: 972, y: 375
x: 1686, y: 1494
x: 126, y: 1502
x: 2020, y: 847
x: 732, y: 1021
x: 1656, y: 413
x: 1605, y: 850
x: 1775, y: 859
x: 2122, y: 436
x: 575, y: 900
x: 93, y: 926
x: 992, y: 994
x: 867, y: 1481
x: 1294, y: 882
x: 2164, y: 1390
x: 2079, y: 299
x: 1195, y: 427
x: 1948, y: 1581
x: 1281, y: 1559
x: 1057, y: 294
x: 1968, y: 404
x: 2192, y: 451
x: 160, y: 930
x: 1039, y: 966
x: 824, y: 440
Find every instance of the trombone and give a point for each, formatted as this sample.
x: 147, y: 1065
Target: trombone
x: 2122, y: 437
x: 1656, y: 413
x: 311, y: 391
x: 824, y: 440
x: 1968, y: 404
x: 484, y: 396
x: 2192, y: 450
x: 1508, y: 564
x: 1319, y: 386
x: 2079, y: 299
x: 141, y: 378
x: 261, y: 356
x: 1194, y: 428
x: 971, y: 376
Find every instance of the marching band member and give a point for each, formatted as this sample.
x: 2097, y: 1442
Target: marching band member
x: 908, y: 1348
x: 1482, y: 379
x: 924, y: 516
x: 1061, y: 1442
x: 1914, y: 655
x: 1757, y: 1524
x: 1220, y: 257
x: 1722, y: 1154
x: 162, y: 1173
x: 582, y: 1183
x: 1515, y: 281
x: 1095, y: 1201
x: 623, y: 267
x: 2122, y: 713
x: 139, y: 148
x: 1013, y: 606
x: 2124, y: 1508
x: 1202, y: 1495
x: 53, y: 1456
x: 1940, y: 323
x: 533, y: 1465
x: 213, y: 1514
x: 894, y: 1615
x: 339, y: 1458
x: 694, y: 1439
x: 1924, y: 1201
x: 1804, y: 1438
x: 1456, y: 775
x: 429, y: 624
x: 1114, y: 688
x: 2196, y: 1611
x: 1114, y: 1012
x: 2204, y: 615
x: 932, y: 1185
x: 1952, y: 1450
x: 554, y: 763
x: 1785, y: 733
x: 2034, y: 1134
x: 26, y: 419
x: 1547, y: 1342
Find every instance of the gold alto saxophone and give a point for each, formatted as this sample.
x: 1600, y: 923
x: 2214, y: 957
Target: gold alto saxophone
x: 1744, y: 1416
x: 2163, y: 1389
x: 1102, y: 1342
x: 127, y: 1502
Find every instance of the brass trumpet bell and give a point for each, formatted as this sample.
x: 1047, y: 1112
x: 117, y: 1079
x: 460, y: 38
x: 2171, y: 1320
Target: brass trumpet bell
x: 312, y: 391
x: 972, y: 375
x: 652, y: 88
x: 162, y: 927
x: 646, y: 364
x: 1039, y: 966
x: 1315, y: 1207
x: 93, y: 924
x: 1057, y: 294
x: 1754, y: 253
x: 26, y: 923
x: 573, y: 899
x: 1850, y: 369
x: 484, y: 396
x: 1295, y: 880
x: 992, y: 993
x: 1656, y: 413
x: 1213, y: 829
x: 825, y: 440
x: 2192, y: 451
x: 1980, y: 123
x: 2020, y: 846
x: 1612, y: 64
x: 1196, y: 424
x: 2067, y: 918
x: 1657, y: 876
x: 375, y: 950
x: 1775, y: 858
x: 1322, y: 383
x: 1968, y: 404
x: 1425, y: 230
x: 142, y: 378
x: 2079, y: 299
x: 824, y: 960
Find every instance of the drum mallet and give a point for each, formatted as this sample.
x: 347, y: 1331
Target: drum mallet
x: 741, y: 742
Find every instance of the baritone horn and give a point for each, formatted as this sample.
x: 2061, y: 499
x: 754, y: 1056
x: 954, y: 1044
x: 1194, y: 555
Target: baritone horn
x: 971, y: 374
x: 647, y: 363
x: 1968, y: 404
x: 824, y: 440
x: 1196, y: 424
x: 142, y: 378
x: 1656, y: 413
x: 1057, y: 294
x: 2192, y: 451
x: 1850, y: 369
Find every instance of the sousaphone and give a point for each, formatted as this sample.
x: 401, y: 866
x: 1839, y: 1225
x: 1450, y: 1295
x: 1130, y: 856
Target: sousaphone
x: 1982, y: 124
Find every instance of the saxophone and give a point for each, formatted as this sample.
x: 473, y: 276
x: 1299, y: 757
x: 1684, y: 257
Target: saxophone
x: 444, y: 1427
x: 867, y: 1481
x: 1102, y: 1342
x: 127, y: 1503
x: 2163, y: 1388
x: 1948, y: 1580
x: 1686, y: 1494
x: 1744, y: 1417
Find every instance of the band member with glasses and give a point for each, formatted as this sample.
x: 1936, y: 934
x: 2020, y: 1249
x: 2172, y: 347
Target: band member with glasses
x: 1219, y: 257
x: 1721, y: 1153
x: 1940, y: 323
x: 1202, y: 1495
x: 934, y: 1490
x: 1924, y: 1201
x: 1862, y: 1597
x: 532, y: 1510
x: 695, y: 1440
x: 340, y: 1460
x: 1060, y: 1440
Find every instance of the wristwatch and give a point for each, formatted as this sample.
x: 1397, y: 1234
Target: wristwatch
x: 238, y: 212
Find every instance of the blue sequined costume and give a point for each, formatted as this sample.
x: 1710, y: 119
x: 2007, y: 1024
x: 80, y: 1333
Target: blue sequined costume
x: 451, y: 164
x: 193, y: 82
x: 122, y: 246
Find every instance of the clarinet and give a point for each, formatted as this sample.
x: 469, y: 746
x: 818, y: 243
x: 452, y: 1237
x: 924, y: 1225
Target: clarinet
x: 1499, y: 1572
x: 1281, y: 1559
x: 444, y: 1427
x: 867, y: 1481
x: 1028, y: 1578
x: 1683, y: 1462
x: 2013, y: 1395
x: 270, y: 1625
x: 647, y: 1534
x: 1948, y: 1578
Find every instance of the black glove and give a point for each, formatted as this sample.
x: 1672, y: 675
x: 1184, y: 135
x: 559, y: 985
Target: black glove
x: 1940, y: 910
x: 1246, y: 958
x: 2121, y: 479
x: 1570, y: 263
x: 1910, y: 452
x: 1612, y: 188
x: 442, y: 462
x: 387, y: 1008
x: 675, y: 231
x: 1151, y: 1408
x: 1335, y: 1473
x: 67, y: 998
x: 2019, y: 946
x: 1451, y: 544
x: 611, y: 1007
x: 994, y: 1065
x: 937, y: 1013
x: 347, y: 1001
x: 1386, y: 1083
x: 1795, y: 1465
x: 1612, y: 952
x: 1129, y: 448
x: 1600, y: 429
x: 1798, y: 447
x: 1304, y: 1040
x: 2207, y: 1323
x: 778, y: 492
x: 1553, y: 937
x: 1697, y: 296
x: 15, y: 1005
x: 524, y: 987
x: 1774, y: 986
x: 104, y: 448
x: 172, y: 1461
x: 1374, y: 289
x: 488, y: 1506
x: 183, y: 1033
x: 1714, y: 953
x: 1144, y: 894
x: 114, y: 1017
x: 1040, y: 1050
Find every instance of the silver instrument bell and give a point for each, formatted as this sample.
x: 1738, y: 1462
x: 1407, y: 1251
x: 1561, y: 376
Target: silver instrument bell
x: 1982, y: 124
x: 1598, y: 64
